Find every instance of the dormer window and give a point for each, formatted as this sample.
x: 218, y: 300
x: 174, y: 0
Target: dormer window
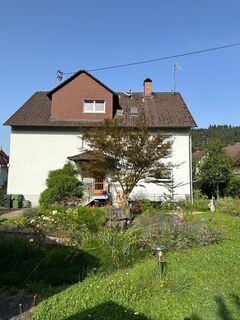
x: 94, y: 106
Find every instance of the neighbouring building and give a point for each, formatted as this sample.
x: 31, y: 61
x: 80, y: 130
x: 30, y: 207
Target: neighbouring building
x: 46, y: 132
x: 232, y: 150
x: 4, y: 160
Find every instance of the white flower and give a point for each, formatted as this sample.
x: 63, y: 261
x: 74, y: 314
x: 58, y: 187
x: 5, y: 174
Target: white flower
x: 46, y: 218
x: 31, y: 240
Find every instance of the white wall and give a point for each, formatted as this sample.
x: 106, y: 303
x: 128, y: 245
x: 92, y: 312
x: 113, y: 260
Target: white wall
x: 182, y: 169
x: 33, y: 153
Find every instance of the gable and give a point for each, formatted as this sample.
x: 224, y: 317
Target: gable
x: 69, y: 100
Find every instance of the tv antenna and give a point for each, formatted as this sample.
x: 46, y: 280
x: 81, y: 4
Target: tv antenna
x: 175, y: 68
x: 59, y: 75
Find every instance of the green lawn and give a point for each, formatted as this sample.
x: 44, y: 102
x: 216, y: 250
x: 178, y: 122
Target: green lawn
x: 200, y: 284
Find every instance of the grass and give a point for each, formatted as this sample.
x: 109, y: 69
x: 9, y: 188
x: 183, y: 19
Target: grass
x: 200, y: 284
x: 26, y: 265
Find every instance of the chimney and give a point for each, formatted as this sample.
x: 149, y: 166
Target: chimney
x: 147, y: 84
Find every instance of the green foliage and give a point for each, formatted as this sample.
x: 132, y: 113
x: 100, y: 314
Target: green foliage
x: 229, y: 205
x: 233, y: 187
x: 140, y: 206
x: 62, y: 185
x: 126, y: 155
x: 175, y: 235
x: 199, y: 284
x: 66, y: 223
x: 19, y: 222
x: 214, y: 170
x: 226, y: 134
x: 199, y: 204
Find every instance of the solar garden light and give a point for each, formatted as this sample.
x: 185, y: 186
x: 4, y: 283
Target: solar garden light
x: 159, y: 249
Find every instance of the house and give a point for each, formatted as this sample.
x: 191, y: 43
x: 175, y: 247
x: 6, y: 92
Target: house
x: 4, y: 159
x: 46, y: 131
x: 232, y: 150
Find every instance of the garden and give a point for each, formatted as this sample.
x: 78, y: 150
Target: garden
x: 101, y: 271
x: 172, y: 260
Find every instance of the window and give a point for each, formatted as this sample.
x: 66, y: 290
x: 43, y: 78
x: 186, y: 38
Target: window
x: 94, y: 106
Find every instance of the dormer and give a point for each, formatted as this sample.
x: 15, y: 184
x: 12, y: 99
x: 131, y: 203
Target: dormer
x: 81, y: 97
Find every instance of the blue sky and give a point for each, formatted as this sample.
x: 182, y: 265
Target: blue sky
x: 39, y: 37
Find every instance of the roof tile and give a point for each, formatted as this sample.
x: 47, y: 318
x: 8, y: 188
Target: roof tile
x: 164, y: 109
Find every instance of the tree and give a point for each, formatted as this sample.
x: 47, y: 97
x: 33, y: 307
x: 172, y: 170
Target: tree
x: 233, y: 187
x: 214, y: 170
x: 62, y: 185
x: 127, y: 155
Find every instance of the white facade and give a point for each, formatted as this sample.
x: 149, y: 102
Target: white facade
x: 181, y: 160
x: 34, y: 152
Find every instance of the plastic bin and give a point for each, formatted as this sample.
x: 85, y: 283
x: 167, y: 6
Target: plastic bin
x: 15, y: 204
x: 17, y: 200
x: 7, y: 201
x: 26, y: 204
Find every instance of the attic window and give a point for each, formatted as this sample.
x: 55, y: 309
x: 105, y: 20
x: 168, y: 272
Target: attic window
x: 134, y: 110
x: 94, y: 106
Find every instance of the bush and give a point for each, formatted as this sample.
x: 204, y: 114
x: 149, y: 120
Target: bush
x: 62, y: 186
x: 174, y: 234
x: 65, y: 223
x: 140, y: 206
x: 233, y: 187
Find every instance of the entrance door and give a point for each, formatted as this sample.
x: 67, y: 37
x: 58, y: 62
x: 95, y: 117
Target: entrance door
x: 98, y: 186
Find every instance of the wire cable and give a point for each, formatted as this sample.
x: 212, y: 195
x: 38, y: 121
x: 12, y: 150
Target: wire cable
x: 160, y: 59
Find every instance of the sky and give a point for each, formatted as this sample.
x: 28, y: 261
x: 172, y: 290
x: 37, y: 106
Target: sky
x: 37, y: 38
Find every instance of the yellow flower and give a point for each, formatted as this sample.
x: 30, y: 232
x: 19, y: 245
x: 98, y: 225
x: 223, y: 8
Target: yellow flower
x: 136, y: 312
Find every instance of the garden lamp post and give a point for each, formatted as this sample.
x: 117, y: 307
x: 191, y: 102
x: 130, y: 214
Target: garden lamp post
x: 159, y: 249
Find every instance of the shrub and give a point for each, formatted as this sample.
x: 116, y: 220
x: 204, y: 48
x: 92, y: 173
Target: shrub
x: 140, y: 206
x: 62, y: 185
x: 66, y: 222
x: 188, y: 235
x: 175, y: 235
x: 93, y: 218
x: 214, y: 170
x: 233, y: 187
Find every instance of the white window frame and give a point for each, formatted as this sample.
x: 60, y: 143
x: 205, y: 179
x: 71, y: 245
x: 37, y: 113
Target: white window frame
x: 94, y: 106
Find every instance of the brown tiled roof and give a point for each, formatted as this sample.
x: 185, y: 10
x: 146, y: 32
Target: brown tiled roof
x: 84, y: 156
x: 232, y: 150
x: 4, y: 159
x: 162, y: 109
x: 197, y: 155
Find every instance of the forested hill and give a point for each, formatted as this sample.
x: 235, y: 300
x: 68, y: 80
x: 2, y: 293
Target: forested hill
x: 226, y: 134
